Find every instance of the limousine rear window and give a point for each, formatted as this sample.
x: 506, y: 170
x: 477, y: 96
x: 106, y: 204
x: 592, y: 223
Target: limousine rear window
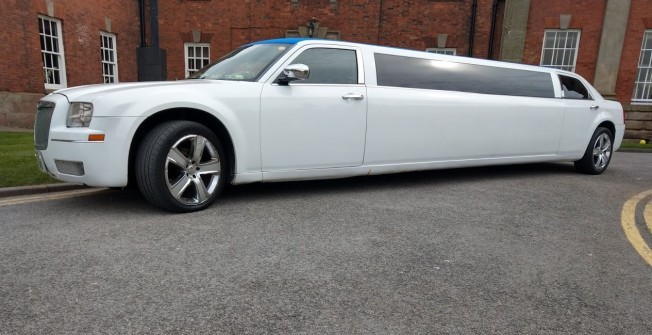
x: 573, y: 88
x: 401, y: 71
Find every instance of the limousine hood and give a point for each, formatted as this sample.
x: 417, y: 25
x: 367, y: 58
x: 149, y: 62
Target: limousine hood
x: 89, y: 93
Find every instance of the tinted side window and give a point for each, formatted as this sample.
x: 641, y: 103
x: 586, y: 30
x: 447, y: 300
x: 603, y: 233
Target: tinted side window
x: 573, y: 88
x: 329, y: 66
x: 399, y: 71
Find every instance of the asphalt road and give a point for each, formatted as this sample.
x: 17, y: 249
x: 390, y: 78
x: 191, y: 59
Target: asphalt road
x: 531, y: 249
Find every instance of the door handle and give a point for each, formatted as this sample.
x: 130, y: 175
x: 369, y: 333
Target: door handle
x: 594, y: 107
x: 351, y: 96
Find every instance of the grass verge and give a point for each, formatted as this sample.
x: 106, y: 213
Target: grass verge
x: 634, y: 144
x: 18, y: 165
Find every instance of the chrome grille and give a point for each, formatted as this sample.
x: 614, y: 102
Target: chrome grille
x: 42, y: 124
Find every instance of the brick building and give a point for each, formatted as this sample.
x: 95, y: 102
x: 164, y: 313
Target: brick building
x: 70, y: 33
x: 48, y: 44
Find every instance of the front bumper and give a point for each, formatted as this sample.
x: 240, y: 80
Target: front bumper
x: 69, y: 155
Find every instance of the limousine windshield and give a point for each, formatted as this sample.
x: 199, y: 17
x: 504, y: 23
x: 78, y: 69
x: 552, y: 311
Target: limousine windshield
x: 247, y: 63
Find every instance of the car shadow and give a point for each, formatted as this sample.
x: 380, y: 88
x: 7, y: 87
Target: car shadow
x: 431, y: 177
x: 132, y: 201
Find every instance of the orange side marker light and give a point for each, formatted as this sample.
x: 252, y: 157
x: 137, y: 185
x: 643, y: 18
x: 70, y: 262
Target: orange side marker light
x: 96, y: 138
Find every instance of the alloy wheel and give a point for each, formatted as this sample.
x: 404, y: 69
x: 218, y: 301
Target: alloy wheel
x: 192, y: 169
x: 601, y: 151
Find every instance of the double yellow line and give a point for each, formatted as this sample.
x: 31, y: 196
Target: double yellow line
x: 628, y: 220
x: 51, y: 196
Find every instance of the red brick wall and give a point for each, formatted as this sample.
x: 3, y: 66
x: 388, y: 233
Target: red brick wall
x: 81, y: 28
x: 640, y: 19
x: 416, y: 24
x: 227, y: 24
x: 20, y: 58
x: 498, y: 34
x: 586, y: 15
x: 482, y: 29
x: 401, y: 23
x: 81, y: 22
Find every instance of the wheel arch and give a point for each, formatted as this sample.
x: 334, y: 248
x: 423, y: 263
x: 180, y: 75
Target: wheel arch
x: 609, y: 125
x: 187, y: 114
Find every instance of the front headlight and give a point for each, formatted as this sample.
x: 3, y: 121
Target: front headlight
x: 79, y: 114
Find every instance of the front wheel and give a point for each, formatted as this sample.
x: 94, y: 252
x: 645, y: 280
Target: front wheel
x: 598, y: 154
x: 180, y: 166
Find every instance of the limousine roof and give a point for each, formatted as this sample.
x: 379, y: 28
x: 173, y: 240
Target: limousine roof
x: 413, y: 53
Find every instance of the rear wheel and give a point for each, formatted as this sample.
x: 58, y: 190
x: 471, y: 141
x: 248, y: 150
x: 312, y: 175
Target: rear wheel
x: 181, y: 166
x: 598, y: 154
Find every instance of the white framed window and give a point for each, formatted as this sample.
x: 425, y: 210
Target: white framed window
x: 643, y: 80
x: 109, y: 52
x: 443, y: 51
x: 54, y: 62
x: 560, y: 49
x: 197, y: 55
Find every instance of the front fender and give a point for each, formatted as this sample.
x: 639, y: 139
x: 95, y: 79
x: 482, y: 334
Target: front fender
x: 236, y: 106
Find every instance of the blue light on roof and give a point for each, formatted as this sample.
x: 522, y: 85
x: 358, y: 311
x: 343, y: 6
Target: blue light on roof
x: 281, y: 41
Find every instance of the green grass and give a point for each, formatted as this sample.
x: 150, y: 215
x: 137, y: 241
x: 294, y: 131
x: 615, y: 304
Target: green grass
x: 18, y: 165
x: 633, y: 144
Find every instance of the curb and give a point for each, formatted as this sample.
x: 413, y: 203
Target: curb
x: 635, y: 150
x: 6, y: 192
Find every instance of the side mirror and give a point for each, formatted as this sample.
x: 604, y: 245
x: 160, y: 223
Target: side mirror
x: 294, y: 72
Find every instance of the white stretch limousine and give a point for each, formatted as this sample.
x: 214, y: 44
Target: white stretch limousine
x: 296, y: 109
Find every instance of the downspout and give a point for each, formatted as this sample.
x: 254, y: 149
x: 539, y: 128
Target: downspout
x: 153, y: 13
x: 474, y: 9
x: 143, y: 34
x: 494, y: 14
x: 152, y: 60
x: 380, y: 20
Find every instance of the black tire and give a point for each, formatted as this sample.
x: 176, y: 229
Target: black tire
x: 170, y: 172
x: 598, y: 153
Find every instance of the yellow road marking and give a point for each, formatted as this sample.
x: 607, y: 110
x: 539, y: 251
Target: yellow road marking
x: 628, y: 221
x: 647, y: 215
x: 50, y: 196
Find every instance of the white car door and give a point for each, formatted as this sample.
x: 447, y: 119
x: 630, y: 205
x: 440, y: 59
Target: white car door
x: 581, y: 112
x: 319, y: 122
x: 426, y: 110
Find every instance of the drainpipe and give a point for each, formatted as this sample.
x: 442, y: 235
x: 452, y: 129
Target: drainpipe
x: 380, y: 20
x: 494, y: 14
x: 152, y: 60
x: 153, y: 13
x: 143, y: 35
x: 474, y: 9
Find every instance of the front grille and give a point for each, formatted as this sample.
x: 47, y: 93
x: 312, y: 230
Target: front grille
x: 42, y: 124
